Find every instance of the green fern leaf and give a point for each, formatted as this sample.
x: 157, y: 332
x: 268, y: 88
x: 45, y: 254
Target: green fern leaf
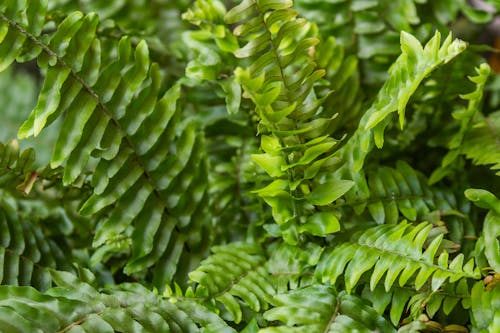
x: 402, y: 192
x: 319, y: 308
x: 234, y: 275
x: 394, y: 251
x: 117, y: 118
x: 128, y: 308
x: 481, y: 142
x: 411, y: 304
x: 461, y: 143
x: 26, y: 254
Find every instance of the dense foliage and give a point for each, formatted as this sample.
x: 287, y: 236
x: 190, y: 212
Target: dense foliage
x: 249, y: 166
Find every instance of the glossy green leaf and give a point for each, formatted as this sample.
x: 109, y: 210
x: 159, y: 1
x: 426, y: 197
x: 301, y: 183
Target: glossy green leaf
x: 321, y: 224
x: 326, y: 193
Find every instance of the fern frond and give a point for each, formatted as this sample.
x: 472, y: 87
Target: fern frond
x: 405, y: 75
x: 116, y: 115
x: 280, y: 81
x: 75, y: 306
x: 357, y: 25
x: 481, y: 142
x: 319, y: 308
x: 234, y: 276
x: 26, y: 253
x: 461, y: 143
x: 292, y: 267
x: 403, y: 192
x: 394, y: 251
x: 404, y: 302
x: 414, y: 64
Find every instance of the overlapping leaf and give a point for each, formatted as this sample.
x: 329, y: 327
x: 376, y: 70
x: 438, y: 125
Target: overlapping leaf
x: 26, y: 253
x: 117, y: 117
x: 75, y: 306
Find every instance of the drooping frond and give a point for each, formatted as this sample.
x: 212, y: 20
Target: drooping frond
x: 234, y: 276
x: 394, y: 251
x: 116, y: 115
x: 75, y: 306
x: 318, y: 308
x: 405, y: 75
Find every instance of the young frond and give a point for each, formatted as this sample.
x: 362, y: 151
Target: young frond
x: 411, y: 67
x: 405, y: 75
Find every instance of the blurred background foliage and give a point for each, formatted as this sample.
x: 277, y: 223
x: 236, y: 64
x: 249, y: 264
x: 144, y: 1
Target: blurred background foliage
x: 360, y: 39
